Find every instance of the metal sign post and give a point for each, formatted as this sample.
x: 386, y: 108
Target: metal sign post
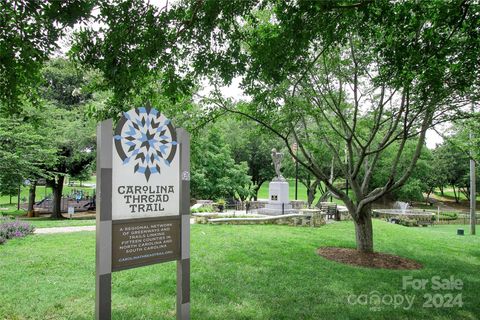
x: 143, y: 202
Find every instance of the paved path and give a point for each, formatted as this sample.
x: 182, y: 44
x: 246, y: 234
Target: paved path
x: 64, y: 229
x: 70, y: 229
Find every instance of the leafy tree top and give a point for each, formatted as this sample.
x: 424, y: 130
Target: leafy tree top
x: 29, y: 34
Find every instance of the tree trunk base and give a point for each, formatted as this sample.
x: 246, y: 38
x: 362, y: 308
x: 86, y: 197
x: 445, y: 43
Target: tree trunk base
x: 364, y: 234
x: 56, y: 217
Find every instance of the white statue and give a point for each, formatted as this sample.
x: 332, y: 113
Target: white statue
x: 277, y: 162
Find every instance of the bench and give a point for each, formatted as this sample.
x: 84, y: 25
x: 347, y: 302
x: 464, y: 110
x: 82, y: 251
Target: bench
x: 330, y: 209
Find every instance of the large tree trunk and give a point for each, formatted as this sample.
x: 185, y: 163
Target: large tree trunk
x: 457, y: 198
x: 428, y: 195
x: 364, y: 231
x: 311, y: 195
x: 57, y: 188
x: 311, y: 192
x: 255, y: 192
x: 465, y: 191
x: 256, y: 187
x: 31, y: 199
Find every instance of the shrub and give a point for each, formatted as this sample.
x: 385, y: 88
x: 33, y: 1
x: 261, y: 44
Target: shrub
x: 447, y: 216
x: 14, y: 229
x: 202, y: 209
x: 411, y: 190
x: 206, y: 209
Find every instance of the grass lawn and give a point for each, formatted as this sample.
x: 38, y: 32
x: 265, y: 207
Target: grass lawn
x: 49, y: 223
x: 302, y: 190
x: 241, y: 272
x: 448, y: 192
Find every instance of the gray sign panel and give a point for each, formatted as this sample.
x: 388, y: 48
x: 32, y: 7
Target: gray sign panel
x: 140, y: 242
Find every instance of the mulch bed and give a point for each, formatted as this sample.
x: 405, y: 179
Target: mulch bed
x: 369, y: 260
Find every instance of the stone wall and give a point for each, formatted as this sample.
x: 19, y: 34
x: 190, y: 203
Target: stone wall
x: 291, y: 219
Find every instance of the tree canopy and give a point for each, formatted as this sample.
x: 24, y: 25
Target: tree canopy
x: 356, y: 81
x: 360, y: 80
x: 29, y: 36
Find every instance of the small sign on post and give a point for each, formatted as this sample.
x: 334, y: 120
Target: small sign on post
x: 143, y: 202
x: 71, y: 211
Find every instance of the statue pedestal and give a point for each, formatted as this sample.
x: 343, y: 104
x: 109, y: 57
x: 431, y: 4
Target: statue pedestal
x: 278, y: 202
x: 278, y: 192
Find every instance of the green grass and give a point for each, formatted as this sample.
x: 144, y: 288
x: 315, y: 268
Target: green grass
x: 448, y: 192
x: 302, y: 190
x: 12, y: 211
x: 49, y: 223
x: 240, y: 272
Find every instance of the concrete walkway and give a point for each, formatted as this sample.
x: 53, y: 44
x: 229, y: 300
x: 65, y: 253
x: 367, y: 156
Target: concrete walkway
x: 63, y: 229
x: 71, y: 229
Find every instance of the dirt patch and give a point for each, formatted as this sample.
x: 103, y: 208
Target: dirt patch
x: 369, y: 260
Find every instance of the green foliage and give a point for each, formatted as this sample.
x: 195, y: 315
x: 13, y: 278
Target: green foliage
x: 73, y: 136
x: 135, y: 46
x: 452, y: 161
x: 64, y: 83
x: 411, y: 190
x: 24, y: 153
x: 447, y: 216
x: 203, y: 209
x: 69, y: 130
x: 465, y: 136
x: 30, y: 30
x: 252, y: 144
x: 64, y: 124
x: 215, y: 174
x: 419, y: 180
x: 461, y: 144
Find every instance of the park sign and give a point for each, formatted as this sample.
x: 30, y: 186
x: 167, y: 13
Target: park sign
x: 143, y: 201
x: 146, y: 169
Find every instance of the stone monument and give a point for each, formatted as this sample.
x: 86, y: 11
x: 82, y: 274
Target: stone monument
x: 278, y: 202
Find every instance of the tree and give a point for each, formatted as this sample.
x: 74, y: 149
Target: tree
x: 306, y: 178
x: 252, y: 144
x: 453, y: 161
x: 438, y: 177
x: 24, y: 152
x: 215, y: 175
x: 29, y: 34
x: 136, y: 44
x: 310, y: 181
x: 416, y: 184
x: 364, y: 74
x: 68, y: 129
x: 375, y: 75
x: 463, y: 139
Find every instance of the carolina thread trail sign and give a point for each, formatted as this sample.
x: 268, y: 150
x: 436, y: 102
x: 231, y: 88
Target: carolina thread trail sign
x: 143, y: 202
